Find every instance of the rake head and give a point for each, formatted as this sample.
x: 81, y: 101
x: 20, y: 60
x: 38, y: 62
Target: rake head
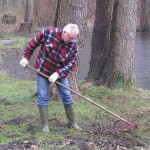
x: 123, y: 126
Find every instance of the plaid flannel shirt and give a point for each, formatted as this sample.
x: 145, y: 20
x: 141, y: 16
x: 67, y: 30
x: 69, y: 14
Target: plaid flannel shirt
x: 54, y: 55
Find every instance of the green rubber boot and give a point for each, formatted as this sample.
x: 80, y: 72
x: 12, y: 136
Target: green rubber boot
x: 44, y: 118
x: 70, y: 117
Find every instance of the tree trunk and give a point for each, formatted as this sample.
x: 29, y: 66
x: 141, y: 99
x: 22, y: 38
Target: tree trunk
x: 138, y: 26
x: 71, y: 11
x: 145, y: 15
x: 27, y: 11
x: 116, y: 53
x: 44, y: 11
x: 100, y: 38
x: 25, y: 27
x: 31, y: 12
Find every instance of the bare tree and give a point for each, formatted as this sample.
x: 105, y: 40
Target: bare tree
x: 113, y: 42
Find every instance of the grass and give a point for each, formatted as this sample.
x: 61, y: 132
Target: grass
x: 16, y: 46
x: 20, y: 118
x: 20, y: 123
x: 19, y: 41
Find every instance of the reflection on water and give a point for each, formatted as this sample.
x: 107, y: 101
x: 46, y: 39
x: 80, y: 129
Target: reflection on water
x: 141, y: 64
x: 142, y: 60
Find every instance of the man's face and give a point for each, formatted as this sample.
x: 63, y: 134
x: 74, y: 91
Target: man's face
x: 68, y: 37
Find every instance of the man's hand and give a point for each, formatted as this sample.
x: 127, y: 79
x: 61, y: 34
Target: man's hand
x: 24, y: 62
x: 53, y: 77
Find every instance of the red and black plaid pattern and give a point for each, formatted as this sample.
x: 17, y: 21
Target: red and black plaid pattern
x: 54, y: 55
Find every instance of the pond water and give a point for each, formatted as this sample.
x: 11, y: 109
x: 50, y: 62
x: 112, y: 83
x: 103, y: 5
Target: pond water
x: 10, y: 63
x: 142, y: 60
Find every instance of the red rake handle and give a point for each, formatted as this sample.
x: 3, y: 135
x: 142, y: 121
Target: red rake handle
x: 84, y: 97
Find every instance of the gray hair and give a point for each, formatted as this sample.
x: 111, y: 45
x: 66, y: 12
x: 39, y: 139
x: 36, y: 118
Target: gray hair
x: 71, y: 28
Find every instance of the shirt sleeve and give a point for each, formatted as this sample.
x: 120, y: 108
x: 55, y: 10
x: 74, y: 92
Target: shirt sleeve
x: 71, y: 62
x: 33, y: 44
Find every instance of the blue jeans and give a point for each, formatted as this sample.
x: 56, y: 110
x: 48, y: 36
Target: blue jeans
x: 44, y: 91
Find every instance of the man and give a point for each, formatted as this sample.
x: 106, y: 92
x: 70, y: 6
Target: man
x: 56, y: 58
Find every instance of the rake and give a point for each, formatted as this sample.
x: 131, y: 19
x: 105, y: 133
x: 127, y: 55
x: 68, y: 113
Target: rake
x: 131, y: 126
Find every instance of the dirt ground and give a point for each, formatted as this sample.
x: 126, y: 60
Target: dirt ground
x: 116, y: 136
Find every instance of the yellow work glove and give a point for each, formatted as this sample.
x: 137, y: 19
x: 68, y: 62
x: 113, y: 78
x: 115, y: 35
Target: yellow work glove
x: 24, y: 62
x: 53, y: 77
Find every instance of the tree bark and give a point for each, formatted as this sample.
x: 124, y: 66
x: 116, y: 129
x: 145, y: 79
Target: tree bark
x: 114, y: 55
x: 100, y: 38
x: 71, y: 11
x: 119, y: 67
x: 31, y: 12
x: 44, y: 11
x: 27, y: 11
x: 145, y: 15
